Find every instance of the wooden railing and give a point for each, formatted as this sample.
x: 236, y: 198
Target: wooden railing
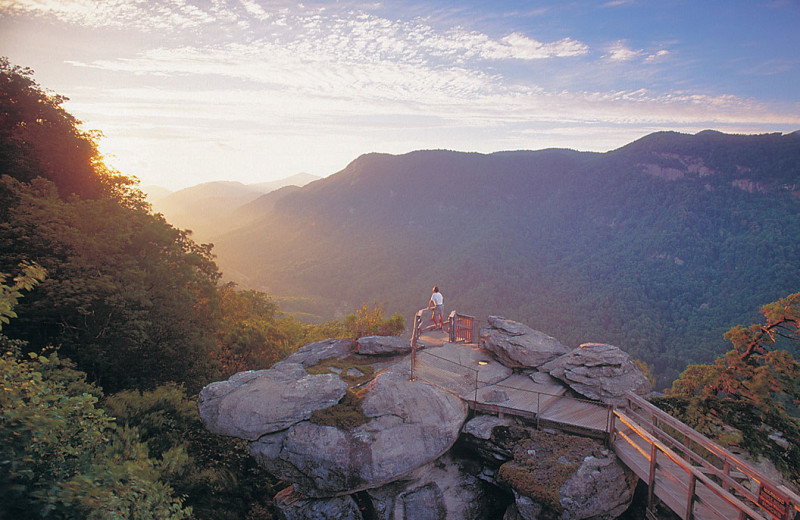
x: 693, y: 476
x: 708, y: 470
x: 461, y: 328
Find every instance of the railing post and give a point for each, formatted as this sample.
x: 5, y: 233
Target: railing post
x: 690, y: 502
x: 611, y: 426
x: 651, y: 478
x: 414, y: 337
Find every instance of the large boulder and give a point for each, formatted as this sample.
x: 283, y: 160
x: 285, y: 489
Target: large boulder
x: 517, y: 345
x: 383, y: 346
x: 565, y: 477
x: 443, y: 489
x: 313, y: 353
x: 410, y: 424
x: 601, y: 489
x: 294, y: 506
x: 601, y: 372
x: 252, y: 404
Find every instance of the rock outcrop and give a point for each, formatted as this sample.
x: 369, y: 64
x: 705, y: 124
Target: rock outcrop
x: 252, y: 404
x: 383, y: 346
x: 410, y: 424
x: 599, y: 371
x: 517, y: 345
x: 343, y: 423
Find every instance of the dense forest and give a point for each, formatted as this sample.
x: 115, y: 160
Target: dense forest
x: 657, y: 247
x: 111, y: 320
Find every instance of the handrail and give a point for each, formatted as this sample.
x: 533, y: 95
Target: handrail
x: 535, y: 393
x: 728, y: 458
x: 697, y: 474
x: 461, y: 327
x: 417, y: 329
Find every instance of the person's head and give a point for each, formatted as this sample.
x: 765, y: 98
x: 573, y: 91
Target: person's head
x: 435, y: 288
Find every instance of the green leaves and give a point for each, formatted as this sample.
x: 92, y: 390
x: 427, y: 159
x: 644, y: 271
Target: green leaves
x: 30, y: 275
x: 63, y: 457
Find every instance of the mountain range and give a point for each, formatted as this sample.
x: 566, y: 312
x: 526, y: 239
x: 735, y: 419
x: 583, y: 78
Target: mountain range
x: 204, y: 207
x: 657, y: 247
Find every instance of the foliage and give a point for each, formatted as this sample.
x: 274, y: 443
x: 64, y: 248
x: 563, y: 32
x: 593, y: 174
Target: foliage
x: 30, y: 275
x: 62, y: 457
x: 216, y: 475
x: 750, y: 393
x: 38, y: 138
x: 253, y: 334
x: 370, y: 320
x: 134, y: 303
x: 129, y: 298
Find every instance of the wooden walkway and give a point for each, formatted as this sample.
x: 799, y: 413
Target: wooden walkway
x: 470, y: 372
x: 683, y: 480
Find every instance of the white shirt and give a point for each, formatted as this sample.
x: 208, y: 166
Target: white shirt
x: 437, y: 298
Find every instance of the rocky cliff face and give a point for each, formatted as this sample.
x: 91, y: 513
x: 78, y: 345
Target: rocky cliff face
x: 342, y: 421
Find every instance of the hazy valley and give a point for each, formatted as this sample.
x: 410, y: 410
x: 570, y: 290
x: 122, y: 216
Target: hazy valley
x: 658, y: 247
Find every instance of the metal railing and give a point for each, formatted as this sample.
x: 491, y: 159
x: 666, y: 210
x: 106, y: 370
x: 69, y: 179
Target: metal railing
x: 566, y: 413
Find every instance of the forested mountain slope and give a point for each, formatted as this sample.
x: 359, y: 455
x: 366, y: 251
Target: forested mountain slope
x: 657, y: 247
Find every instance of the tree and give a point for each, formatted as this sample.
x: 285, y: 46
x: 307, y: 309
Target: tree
x: 748, y: 397
x: 370, y: 320
x: 30, y: 275
x: 128, y: 297
x: 60, y: 455
x: 253, y: 334
x: 219, y: 479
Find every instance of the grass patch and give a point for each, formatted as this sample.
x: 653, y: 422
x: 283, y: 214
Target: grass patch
x: 347, y: 413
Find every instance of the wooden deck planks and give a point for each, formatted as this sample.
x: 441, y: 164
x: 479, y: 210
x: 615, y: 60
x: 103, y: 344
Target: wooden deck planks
x: 671, y: 482
x: 543, y: 400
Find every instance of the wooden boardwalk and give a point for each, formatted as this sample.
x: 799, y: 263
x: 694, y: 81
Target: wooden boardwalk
x: 470, y: 372
x: 680, y: 478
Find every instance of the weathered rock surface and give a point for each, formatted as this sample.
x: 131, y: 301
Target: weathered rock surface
x: 602, y: 489
x: 252, y: 404
x: 599, y: 371
x: 443, y: 489
x: 563, y: 477
x: 383, y: 346
x: 294, y: 506
x: 313, y: 353
x: 399, y: 464
x: 517, y: 345
x: 477, y: 436
x: 411, y: 424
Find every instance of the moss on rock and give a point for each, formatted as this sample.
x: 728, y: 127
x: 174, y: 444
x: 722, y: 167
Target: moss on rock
x: 543, y: 462
x: 347, y: 413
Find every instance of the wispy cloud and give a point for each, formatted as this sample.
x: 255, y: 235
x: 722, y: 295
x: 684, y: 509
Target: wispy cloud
x: 253, y: 80
x: 619, y: 51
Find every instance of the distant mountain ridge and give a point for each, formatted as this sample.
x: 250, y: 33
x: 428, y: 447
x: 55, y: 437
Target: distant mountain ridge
x: 203, y: 207
x: 657, y: 247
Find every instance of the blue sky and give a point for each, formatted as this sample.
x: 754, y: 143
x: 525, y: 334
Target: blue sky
x: 193, y: 91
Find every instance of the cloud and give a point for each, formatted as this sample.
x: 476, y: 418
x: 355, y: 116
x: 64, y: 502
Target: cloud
x: 138, y: 14
x: 657, y: 55
x: 621, y: 52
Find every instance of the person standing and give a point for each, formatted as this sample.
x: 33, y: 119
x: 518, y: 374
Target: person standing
x: 437, y: 304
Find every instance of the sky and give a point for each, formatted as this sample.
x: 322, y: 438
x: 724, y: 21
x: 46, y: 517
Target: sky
x: 186, y: 91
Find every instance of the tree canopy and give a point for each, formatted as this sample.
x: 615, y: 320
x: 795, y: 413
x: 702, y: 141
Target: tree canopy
x: 750, y: 396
